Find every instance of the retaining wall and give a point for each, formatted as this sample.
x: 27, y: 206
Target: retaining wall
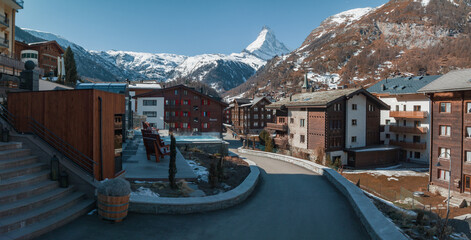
x: 145, y: 204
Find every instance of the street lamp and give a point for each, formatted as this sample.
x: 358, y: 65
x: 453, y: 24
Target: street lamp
x: 449, y: 180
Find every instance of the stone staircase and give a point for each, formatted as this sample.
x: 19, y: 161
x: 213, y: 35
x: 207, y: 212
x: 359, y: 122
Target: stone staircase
x: 30, y: 203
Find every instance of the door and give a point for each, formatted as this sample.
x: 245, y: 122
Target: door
x: 467, y: 183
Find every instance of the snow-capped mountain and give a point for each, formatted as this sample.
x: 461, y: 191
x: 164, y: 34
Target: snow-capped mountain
x: 361, y: 46
x: 266, y: 46
x: 220, y: 71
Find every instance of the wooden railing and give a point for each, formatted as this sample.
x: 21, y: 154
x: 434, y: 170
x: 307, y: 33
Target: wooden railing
x: 408, y: 114
x: 409, y: 145
x: 278, y: 127
x: 413, y: 130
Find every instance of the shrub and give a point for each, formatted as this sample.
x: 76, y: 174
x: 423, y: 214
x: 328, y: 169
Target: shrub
x: 263, y: 136
x: 115, y: 187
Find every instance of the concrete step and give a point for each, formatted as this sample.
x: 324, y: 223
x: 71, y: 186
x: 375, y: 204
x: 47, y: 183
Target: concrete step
x: 21, y: 170
x: 11, y: 223
x: 14, y: 153
x: 16, y: 162
x: 24, y: 180
x: 10, y: 145
x: 27, y: 204
x: 27, y: 191
x: 53, y: 222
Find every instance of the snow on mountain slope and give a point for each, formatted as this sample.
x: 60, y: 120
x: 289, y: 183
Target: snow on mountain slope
x: 220, y: 71
x: 350, y: 16
x: 266, y: 46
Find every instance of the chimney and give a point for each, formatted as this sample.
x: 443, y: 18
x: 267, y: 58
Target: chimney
x: 291, y: 97
x: 305, y: 87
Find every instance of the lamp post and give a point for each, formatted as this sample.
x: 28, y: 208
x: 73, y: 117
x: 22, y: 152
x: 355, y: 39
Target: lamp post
x: 449, y: 180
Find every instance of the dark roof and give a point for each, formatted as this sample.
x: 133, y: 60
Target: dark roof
x: 401, y: 85
x: 324, y: 98
x: 242, y: 100
x: 458, y: 80
x: 252, y: 102
x: 159, y: 92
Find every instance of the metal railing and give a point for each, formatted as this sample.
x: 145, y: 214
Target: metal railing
x: 4, y: 20
x: 72, y: 153
x: 5, y: 114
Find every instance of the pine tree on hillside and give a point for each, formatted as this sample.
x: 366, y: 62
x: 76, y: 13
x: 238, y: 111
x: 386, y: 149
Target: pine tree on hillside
x: 70, y: 67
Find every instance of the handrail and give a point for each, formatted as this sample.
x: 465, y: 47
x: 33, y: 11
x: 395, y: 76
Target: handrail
x: 77, y: 157
x: 8, y: 116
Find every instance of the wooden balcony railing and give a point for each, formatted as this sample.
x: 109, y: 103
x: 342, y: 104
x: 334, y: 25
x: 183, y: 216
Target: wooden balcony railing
x: 413, y: 130
x: 277, y: 127
x: 409, y: 145
x: 408, y: 114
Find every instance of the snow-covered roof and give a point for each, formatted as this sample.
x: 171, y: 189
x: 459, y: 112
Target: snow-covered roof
x: 145, y: 86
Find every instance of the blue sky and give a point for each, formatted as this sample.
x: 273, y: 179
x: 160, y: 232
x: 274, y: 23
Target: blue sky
x: 188, y: 27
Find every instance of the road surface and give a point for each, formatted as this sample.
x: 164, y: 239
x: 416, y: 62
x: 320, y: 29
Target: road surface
x: 290, y: 202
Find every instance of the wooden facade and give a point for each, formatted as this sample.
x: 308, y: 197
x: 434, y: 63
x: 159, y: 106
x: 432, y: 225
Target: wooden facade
x: 74, y: 117
x: 250, y: 116
x: 458, y: 141
x: 188, y: 110
x: 48, y: 52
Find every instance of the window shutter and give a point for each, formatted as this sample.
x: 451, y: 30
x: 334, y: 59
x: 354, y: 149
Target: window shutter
x: 189, y: 102
x: 209, y: 114
x: 208, y: 101
x: 189, y: 114
x: 181, y: 113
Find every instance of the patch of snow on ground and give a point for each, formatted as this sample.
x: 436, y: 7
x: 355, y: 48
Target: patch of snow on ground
x: 393, y: 178
x: 142, y: 191
x: 199, y: 170
x: 424, y: 2
x: 390, y: 173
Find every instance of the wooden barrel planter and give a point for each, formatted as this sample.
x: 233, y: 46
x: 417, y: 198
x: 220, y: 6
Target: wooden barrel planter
x: 113, y: 208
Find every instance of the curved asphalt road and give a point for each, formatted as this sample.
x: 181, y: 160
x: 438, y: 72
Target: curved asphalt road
x: 289, y: 203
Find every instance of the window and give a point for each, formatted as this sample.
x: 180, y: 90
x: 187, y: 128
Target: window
x: 255, y: 124
x: 468, y: 157
x: 205, y: 125
x: 166, y: 102
x: 388, y: 135
x: 185, y: 114
x: 371, y: 108
x: 302, y: 139
x: 445, y: 107
x: 269, y: 117
x: 404, y: 108
x: 443, y: 175
x: 172, y: 125
x: 416, y: 155
x: 185, y: 102
x: 397, y: 108
x: 176, y: 92
x: 337, y: 107
x: 405, y: 123
x: 173, y: 114
x: 410, y: 154
x: 417, y: 108
x: 150, y: 113
x: 291, y: 120
x: 388, y: 122
x: 255, y: 116
x: 354, y: 122
x: 468, y: 107
x: 149, y: 102
x: 205, y: 114
x: 291, y: 135
x: 255, y: 109
x: 195, y: 129
x: 354, y: 107
x: 468, y: 132
x: 445, y: 131
x: 354, y: 139
x: 301, y: 122
x: 417, y: 123
x: 185, y: 92
x: 185, y: 125
x: 335, y: 124
x: 444, y: 153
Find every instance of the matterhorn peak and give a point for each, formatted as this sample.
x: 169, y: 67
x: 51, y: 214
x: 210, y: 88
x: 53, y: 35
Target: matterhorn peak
x: 266, y: 46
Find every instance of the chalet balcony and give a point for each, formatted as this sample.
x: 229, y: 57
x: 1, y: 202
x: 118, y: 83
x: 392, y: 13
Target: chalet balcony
x: 412, y: 130
x: 409, y: 145
x: 4, y: 22
x: 10, y: 62
x: 408, y: 114
x: 277, y: 127
x: 4, y: 43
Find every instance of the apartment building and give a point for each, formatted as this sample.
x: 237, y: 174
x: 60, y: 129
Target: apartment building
x: 345, y: 124
x: 250, y: 116
x: 46, y: 55
x: 407, y: 123
x: 450, y: 97
x: 187, y: 110
x: 9, y: 66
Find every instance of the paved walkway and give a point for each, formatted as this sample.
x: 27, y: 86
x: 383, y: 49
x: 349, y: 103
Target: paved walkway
x: 289, y: 203
x: 139, y: 168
